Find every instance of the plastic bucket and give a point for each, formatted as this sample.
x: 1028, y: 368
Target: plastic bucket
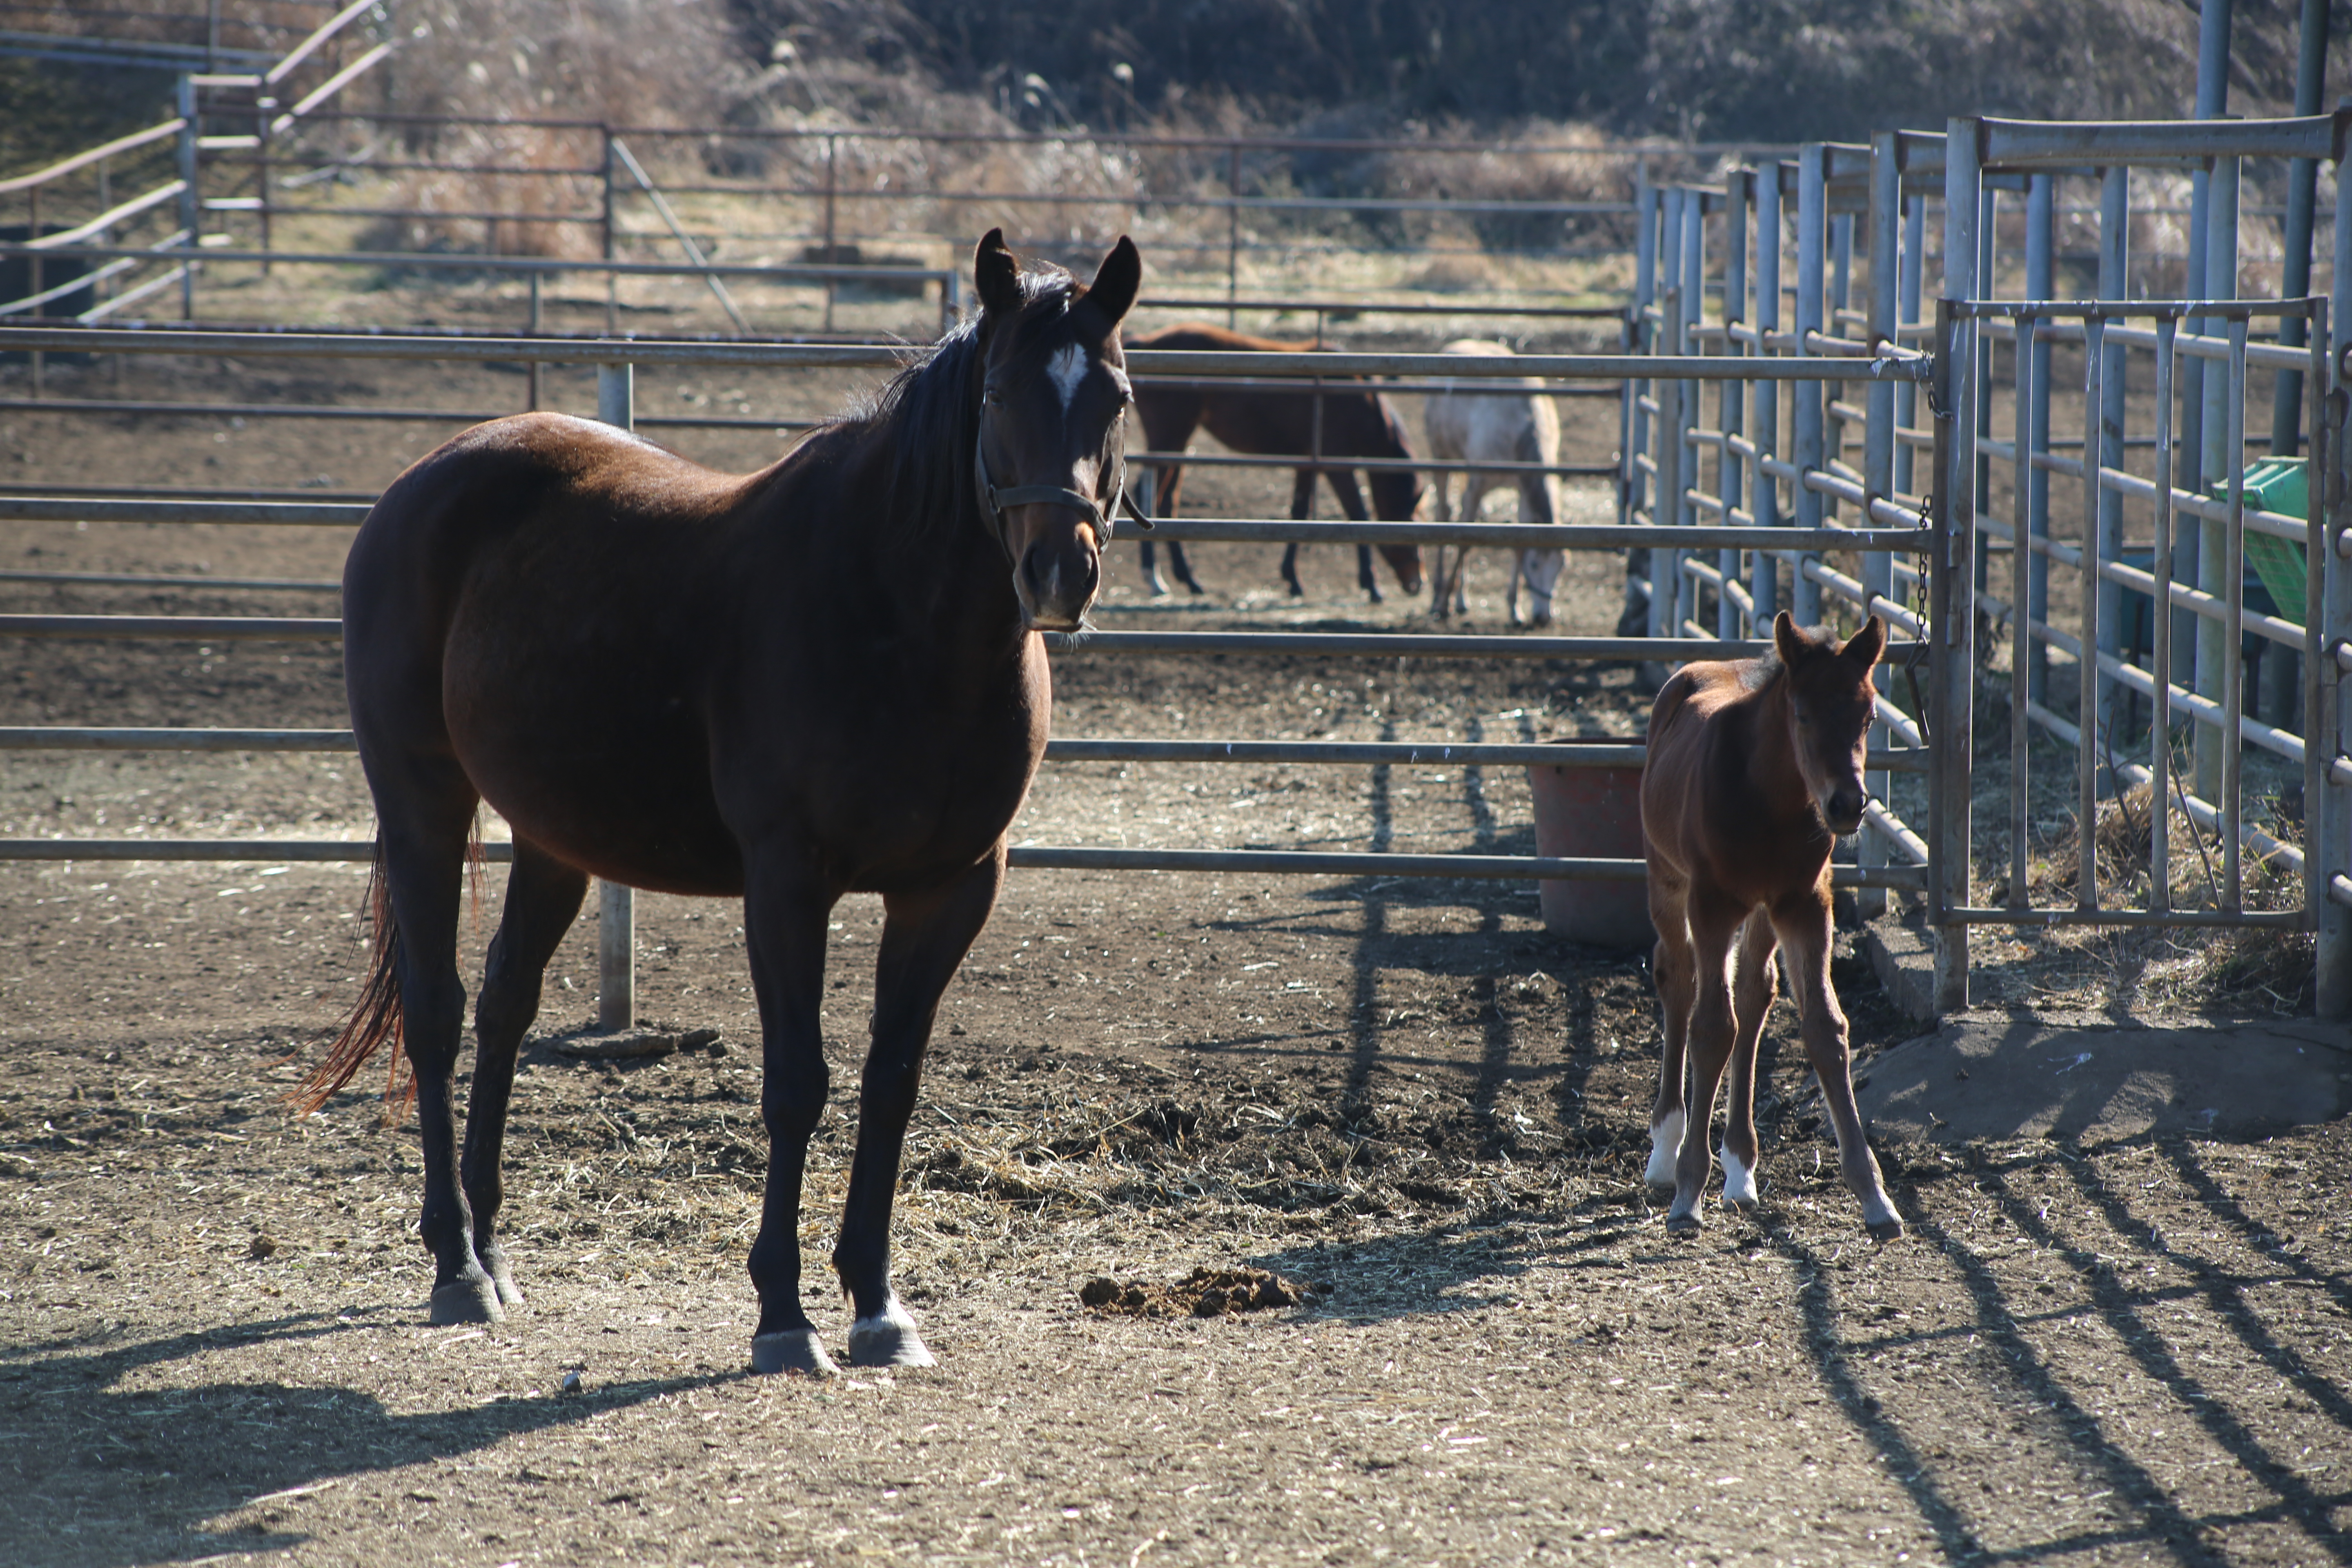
x: 1593, y: 813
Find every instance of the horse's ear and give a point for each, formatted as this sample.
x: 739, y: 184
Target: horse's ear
x: 1866, y: 645
x: 1793, y: 644
x: 1117, y: 280
x: 996, y: 274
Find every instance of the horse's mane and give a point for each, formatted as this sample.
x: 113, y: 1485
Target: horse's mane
x: 928, y: 413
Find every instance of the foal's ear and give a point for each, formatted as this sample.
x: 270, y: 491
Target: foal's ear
x: 1117, y: 280
x: 1791, y: 644
x: 1866, y: 645
x: 996, y: 274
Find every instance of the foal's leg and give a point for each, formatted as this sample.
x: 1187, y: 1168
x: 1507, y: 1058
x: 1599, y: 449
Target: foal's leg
x: 1439, y: 604
x: 544, y: 897
x: 1670, y: 973
x: 1302, y: 501
x: 425, y: 807
x: 1475, y: 485
x: 1714, y: 925
x: 785, y: 911
x: 924, y: 937
x: 1803, y: 922
x: 1751, y: 1001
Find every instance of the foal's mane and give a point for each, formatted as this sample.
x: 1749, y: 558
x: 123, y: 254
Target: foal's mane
x: 929, y: 416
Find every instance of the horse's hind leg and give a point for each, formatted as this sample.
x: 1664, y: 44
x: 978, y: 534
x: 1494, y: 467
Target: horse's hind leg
x: 1751, y: 1000
x: 924, y: 937
x: 1670, y: 973
x: 544, y: 897
x: 1302, y: 502
x: 1803, y: 922
x: 425, y: 809
x: 1713, y: 924
x: 1182, y: 565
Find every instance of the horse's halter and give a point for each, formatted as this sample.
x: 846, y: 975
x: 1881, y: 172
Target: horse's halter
x: 994, y: 500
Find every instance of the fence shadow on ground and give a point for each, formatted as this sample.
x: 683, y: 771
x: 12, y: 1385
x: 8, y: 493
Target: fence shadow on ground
x: 221, y: 1465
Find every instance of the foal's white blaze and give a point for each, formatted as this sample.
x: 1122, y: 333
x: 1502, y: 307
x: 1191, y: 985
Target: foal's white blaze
x: 1666, y: 1147
x: 1738, y: 1181
x: 1068, y: 368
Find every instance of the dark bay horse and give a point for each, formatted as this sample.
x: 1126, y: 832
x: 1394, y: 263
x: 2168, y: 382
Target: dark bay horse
x: 821, y: 677
x: 1279, y: 422
x: 1754, y: 770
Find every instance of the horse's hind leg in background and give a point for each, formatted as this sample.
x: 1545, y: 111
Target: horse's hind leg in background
x: 1715, y: 922
x: 425, y: 812
x: 543, y: 898
x: 924, y: 937
x: 1302, y: 502
x: 1671, y: 972
x: 1754, y: 982
x: 1803, y: 923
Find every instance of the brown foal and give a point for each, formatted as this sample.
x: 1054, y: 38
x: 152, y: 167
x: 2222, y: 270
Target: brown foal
x: 1755, y: 769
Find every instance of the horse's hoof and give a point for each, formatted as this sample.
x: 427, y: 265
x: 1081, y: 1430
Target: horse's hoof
x: 473, y: 1300
x: 1681, y: 1225
x: 1193, y: 587
x: 1886, y: 1230
x: 1158, y: 589
x: 794, y: 1350
x: 510, y: 1294
x: 887, y: 1339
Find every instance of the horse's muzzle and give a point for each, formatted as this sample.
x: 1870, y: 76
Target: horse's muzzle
x: 1057, y: 583
x: 1842, y: 811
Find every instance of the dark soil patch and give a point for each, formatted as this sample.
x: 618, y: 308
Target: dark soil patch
x: 1203, y: 1293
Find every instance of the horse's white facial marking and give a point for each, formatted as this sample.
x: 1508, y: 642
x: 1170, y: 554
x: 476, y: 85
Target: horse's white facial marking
x: 1738, y: 1181
x: 1666, y: 1147
x: 1068, y: 368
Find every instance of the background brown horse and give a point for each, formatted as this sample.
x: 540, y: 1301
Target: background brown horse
x: 1279, y: 422
x: 818, y: 678
x: 1755, y: 768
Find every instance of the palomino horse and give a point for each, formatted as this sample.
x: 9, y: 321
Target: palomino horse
x: 1277, y: 420
x: 1755, y: 768
x: 1512, y: 423
x: 823, y: 677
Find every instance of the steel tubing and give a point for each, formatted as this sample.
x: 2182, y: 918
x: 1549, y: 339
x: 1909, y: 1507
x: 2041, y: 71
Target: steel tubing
x: 1032, y: 857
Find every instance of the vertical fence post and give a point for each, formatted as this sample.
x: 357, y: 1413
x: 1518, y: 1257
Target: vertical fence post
x: 1764, y: 411
x: 2087, y: 713
x: 1732, y: 408
x: 2160, y: 650
x: 2022, y: 580
x: 611, y: 278
x: 1645, y: 294
x: 1669, y: 446
x: 536, y: 318
x: 1813, y: 198
x: 2329, y: 850
x: 616, y: 916
x: 1952, y: 627
x: 1906, y: 314
x: 1878, y: 438
x: 832, y: 231
x: 2115, y: 283
x: 2216, y: 462
x: 1694, y: 297
x: 2033, y: 363
x: 1232, y: 233
x: 2302, y: 200
x: 191, y: 209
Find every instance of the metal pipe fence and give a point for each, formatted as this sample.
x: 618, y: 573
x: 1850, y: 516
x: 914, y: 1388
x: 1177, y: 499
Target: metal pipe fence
x: 2159, y: 559
x: 616, y: 361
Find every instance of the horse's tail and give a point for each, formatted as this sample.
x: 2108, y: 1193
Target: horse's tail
x: 373, y: 1019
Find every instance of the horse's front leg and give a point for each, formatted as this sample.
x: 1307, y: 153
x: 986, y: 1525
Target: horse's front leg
x: 1751, y: 1001
x: 1672, y: 974
x: 543, y: 898
x: 1713, y: 924
x: 1803, y: 922
x: 785, y: 911
x: 924, y: 937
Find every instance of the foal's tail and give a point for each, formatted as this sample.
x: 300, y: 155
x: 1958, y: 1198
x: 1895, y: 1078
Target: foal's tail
x: 373, y: 1019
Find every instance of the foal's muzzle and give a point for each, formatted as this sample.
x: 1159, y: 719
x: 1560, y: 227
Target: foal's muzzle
x: 1842, y: 811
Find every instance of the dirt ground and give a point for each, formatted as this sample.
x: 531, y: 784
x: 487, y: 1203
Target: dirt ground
x: 1403, y: 1098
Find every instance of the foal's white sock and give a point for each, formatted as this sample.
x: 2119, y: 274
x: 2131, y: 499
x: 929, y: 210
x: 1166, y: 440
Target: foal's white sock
x: 1665, y: 1150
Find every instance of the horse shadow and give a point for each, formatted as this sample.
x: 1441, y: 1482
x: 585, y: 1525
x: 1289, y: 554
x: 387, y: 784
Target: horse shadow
x: 105, y: 1475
